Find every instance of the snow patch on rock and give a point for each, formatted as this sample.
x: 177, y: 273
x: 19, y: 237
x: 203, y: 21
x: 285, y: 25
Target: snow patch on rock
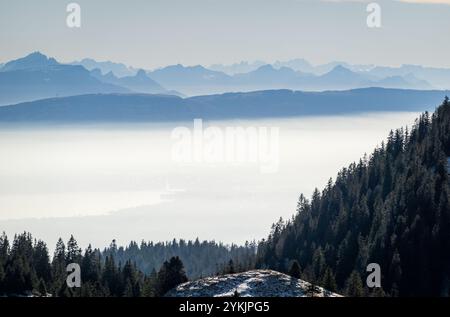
x: 255, y: 283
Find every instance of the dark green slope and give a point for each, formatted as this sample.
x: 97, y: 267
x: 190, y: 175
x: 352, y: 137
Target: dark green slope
x: 391, y: 208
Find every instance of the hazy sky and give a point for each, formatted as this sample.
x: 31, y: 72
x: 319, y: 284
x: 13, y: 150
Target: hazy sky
x: 151, y: 33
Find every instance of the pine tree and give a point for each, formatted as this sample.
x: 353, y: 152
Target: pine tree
x: 2, y: 280
x: 58, y: 267
x: 4, y: 254
x: 149, y: 288
x: 20, y: 276
x: 4, y: 248
x: 170, y: 275
x: 110, y: 277
x: 42, y: 288
x: 73, y: 251
x: 295, y: 270
x: 354, y: 285
x: 230, y: 268
x: 328, y: 281
x: 41, y: 262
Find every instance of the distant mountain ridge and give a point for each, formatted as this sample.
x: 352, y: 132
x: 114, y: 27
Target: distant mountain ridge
x: 198, y: 80
x: 436, y: 77
x: 297, y: 64
x: 192, y: 80
x: 37, y: 76
x: 140, y: 83
x: 258, y: 104
x: 32, y: 61
x: 118, y: 69
x: 237, y: 68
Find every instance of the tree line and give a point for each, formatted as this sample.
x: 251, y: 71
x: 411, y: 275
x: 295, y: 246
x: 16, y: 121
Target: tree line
x: 26, y: 268
x: 201, y: 258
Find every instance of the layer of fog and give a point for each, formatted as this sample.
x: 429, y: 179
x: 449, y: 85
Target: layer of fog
x: 121, y: 182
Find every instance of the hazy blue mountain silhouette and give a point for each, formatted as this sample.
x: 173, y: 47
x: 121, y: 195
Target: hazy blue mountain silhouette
x: 338, y: 78
x: 33, y: 61
x: 140, y: 83
x: 259, y: 104
x: 406, y: 82
x: 417, y: 75
x: 327, y: 67
x: 237, y: 68
x: 268, y: 75
x: 36, y: 77
x: 437, y: 77
x: 405, y: 76
x: 287, y: 103
x: 198, y: 80
x: 298, y: 64
x: 342, y: 77
x: 118, y: 69
x: 191, y: 80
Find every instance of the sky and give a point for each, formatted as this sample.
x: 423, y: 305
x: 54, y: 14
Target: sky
x: 153, y: 33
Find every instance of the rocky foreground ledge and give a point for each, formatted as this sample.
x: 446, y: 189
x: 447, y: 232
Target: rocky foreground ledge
x: 255, y: 283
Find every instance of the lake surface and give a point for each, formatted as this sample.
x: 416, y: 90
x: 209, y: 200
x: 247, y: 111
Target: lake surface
x: 123, y: 182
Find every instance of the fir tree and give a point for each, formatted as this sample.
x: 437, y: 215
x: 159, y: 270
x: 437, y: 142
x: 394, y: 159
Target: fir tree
x: 170, y: 275
x: 354, y: 286
x: 328, y: 281
x: 295, y: 270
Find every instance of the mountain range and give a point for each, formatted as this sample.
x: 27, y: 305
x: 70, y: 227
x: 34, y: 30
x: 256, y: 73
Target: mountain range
x: 438, y: 78
x: 198, y: 80
x: 118, y: 69
x: 140, y: 82
x: 37, y: 76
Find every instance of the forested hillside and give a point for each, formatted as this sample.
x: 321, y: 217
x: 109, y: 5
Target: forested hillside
x: 149, y: 270
x: 391, y: 208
